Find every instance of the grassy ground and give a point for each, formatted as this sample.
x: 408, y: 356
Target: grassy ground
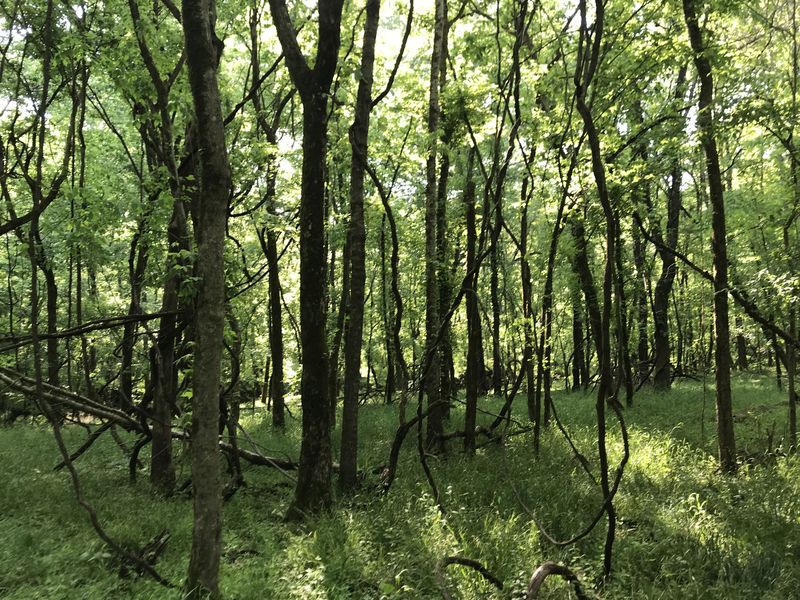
x: 685, y: 531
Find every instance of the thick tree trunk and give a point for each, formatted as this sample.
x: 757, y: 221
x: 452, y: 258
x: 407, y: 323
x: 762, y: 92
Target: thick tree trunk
x: 719, y: 247
x: 313, y: 491
x: 359, y: 136
x: 203, y: 53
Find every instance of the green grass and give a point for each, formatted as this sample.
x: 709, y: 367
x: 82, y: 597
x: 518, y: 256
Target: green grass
x: 685, y: 531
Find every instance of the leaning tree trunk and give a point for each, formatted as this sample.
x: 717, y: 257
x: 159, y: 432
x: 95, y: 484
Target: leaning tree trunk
x: 722, y: 353
x: 202, y: 57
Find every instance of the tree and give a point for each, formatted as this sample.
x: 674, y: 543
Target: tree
x: 432, y: 302
x: 359, y: 134
x: 313, y: 491
x: 719, y: 246
x: 203, y: 50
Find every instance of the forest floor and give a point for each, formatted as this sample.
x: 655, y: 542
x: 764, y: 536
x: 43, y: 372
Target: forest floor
x: 684, y: 531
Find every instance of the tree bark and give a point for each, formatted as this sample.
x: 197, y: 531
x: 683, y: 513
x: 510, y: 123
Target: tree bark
x: 359, y: 137
x: 203, y: 50
x: 474, y: 372
x: 722, y: 355
x: 313, y: 491
x: 274, y: 379
x: 662, y: 368
x: 433, y: 376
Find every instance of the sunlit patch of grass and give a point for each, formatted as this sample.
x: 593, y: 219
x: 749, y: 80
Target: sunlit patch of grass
x: 684, y: 530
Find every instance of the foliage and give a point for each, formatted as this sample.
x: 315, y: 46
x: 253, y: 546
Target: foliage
x: 685, y: 531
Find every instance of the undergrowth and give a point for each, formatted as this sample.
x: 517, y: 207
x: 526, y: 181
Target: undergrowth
x: 684, y: 531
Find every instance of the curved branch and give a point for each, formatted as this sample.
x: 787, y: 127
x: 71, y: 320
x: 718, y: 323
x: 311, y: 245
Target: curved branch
x: 551, y: 568
x: 446, y: 561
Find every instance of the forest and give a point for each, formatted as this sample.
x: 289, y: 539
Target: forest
x: 389, y: 299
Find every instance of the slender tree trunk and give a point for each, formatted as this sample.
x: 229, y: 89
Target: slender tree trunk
x: 276, y: 385
x: 274, y: 388
x: 791, y: 351
x: 624, y: 370
x: 389, y: 383
x: 642, y: 305
x: 443, y: 276
x: 662, y: 368
x: 588, y: 61
x: 359, y: 137
x: 474, y: 373
x: 432, y: 321
x: 338, y: 332
x: 741, y: 345
x: 580, y: 375
x: 722, y: 355
x: 137, y: 265
x: 203, y: 54
x: 494, y: 291
x: 583, y: 270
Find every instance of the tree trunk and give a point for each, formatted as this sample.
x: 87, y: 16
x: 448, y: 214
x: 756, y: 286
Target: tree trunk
x: 388, y: 347
x: 741, y: 345
x: 662, y: 369
x: 580, y: 375
x: 624, y: 370
x: 474, y: 373
x: 719, y: 248
x: 433, y: 376
x: 359, y: 137
x: 642, y: 307
x: 203, y: 54
x: 274, y: 388
x: 588, y: 61
x: 313, y: 491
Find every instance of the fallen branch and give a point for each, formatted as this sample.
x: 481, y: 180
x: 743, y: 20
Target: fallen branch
x: 99, y: 324
x: 113, y: 416
x: 739, y: 296
x: 135, y: 561
x: 85, y: 446
x: 551, y: 568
